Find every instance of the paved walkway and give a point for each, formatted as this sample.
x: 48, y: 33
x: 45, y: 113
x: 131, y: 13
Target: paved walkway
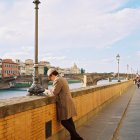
x: 106, y: 123
x: 130, y: 127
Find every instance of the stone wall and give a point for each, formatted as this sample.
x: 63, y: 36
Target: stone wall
x: 34, y: 118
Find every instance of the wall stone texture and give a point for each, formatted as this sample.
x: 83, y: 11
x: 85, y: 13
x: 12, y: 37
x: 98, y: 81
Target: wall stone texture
x: 25, y: 118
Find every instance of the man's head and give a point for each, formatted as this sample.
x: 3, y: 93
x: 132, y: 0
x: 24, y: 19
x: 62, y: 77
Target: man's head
x: 52, y: 73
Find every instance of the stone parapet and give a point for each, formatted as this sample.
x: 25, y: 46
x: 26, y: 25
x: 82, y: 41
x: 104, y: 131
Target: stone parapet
x: 21, y: 104
x: 34, y: 117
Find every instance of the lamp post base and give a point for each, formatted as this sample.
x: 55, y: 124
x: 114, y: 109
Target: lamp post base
x: 35, y: 89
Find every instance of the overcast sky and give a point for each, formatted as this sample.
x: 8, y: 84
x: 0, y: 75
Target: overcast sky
x: 88, y: 32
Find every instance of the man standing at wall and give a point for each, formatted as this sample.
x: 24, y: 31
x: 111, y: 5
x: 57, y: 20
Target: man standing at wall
x: 64, y: 103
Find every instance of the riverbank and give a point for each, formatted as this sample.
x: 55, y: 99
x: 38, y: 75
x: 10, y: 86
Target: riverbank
x: 24, y: 85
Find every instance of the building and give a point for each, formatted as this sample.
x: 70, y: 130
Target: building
x: 75, y: 69
x: 9, y: 68
x: 60, y: 70
x: 67, y: 71
x: 29, y: 67
x: 45, y: 63
x: 43, y: 67
x: 21, y: 67
x: 0, y: 68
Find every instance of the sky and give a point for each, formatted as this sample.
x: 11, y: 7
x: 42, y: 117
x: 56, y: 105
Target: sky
x: 89, y: 33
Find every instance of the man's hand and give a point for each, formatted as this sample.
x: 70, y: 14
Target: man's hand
x: 48, y: 92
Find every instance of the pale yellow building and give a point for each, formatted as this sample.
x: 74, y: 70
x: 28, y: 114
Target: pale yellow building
x: 41, y: 69
x: 75, y: 69
x: 29, y: 67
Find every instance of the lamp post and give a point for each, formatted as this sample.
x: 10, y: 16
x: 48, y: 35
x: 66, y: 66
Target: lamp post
x: 118, y: 59
x: 36, y: 88
x: 127, y: 71
x: 131, y: 73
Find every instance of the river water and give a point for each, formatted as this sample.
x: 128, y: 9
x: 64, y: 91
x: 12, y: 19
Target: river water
x: 16, y: 92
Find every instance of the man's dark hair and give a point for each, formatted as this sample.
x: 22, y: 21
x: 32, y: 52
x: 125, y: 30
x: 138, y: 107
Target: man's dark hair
x: 55, y: 73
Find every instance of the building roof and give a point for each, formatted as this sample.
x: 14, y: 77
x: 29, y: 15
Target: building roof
x: 8, y: 61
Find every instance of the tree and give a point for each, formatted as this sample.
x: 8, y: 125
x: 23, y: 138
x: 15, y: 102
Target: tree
x: 82, y: 71
x: 45, y: 70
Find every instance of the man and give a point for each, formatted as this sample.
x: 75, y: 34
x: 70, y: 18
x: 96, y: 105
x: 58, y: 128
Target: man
x: 64, y: 103
x: 138, y: 82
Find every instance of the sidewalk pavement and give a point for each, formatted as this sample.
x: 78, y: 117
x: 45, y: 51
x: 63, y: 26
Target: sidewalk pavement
x: 105, y: 123
x: 130, y: 127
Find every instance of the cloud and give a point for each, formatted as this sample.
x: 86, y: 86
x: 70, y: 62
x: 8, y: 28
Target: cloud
x: 88, y: 22
x: 100, y: 31
x: 54, y: 58
x: 82, y: 24
x: 16, y: 26
x: 65, y: 25
x: 21, y: 53
x: 138, y: 53
x: 58, y: 61
x: 107, y: 60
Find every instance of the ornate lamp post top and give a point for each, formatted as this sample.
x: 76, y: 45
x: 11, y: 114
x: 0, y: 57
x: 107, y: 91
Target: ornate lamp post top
x: 36, y: 2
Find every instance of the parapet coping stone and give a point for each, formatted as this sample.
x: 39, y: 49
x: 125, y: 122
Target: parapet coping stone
x: 24, y: 103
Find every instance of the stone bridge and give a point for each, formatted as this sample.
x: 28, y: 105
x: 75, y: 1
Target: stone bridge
x: 87, y: 78
x: 92, y: 78
x: 6, y: 82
